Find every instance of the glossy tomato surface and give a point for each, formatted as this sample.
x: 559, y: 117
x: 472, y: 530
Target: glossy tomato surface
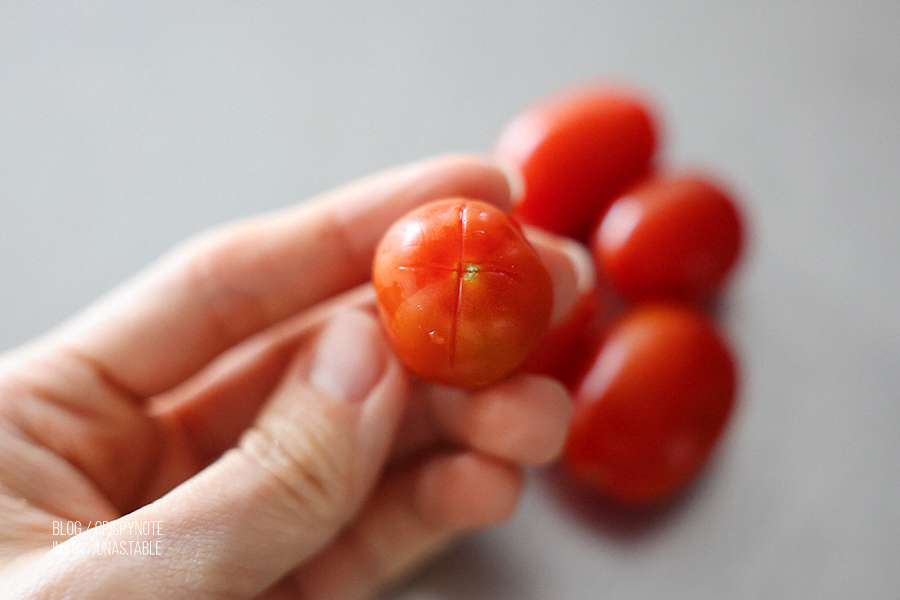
x: 671, y: 236
x: 652, y: 406
x: 576, y: 150
x: 462, y: 293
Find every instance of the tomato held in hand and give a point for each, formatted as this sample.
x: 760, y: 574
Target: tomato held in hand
x: 576, y: 150
x: 671, y: 236
x: 651, y: 407
x: 462, y: 293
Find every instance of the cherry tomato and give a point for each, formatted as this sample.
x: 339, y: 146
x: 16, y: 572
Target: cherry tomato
x: 652, y: 406
x: 462, y: 293
x: 576, y: 150
x: 671, y: 236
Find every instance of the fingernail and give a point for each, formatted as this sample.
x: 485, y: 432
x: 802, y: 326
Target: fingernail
x: 350, y: 356
x: 515, y: 180
x: 571, y: 269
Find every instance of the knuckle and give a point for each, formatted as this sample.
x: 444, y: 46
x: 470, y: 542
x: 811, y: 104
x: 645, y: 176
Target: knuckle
x: 307, y: 471
x: 215, y: 270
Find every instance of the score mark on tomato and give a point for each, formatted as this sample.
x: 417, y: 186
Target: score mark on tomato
x: 462, y: 293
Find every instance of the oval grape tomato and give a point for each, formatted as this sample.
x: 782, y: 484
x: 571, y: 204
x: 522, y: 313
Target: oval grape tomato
x: 652, y: 406
x: 576, y: 150
x: 671, y: 236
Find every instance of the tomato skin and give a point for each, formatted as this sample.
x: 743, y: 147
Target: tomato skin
x: 670, y: 236
x: 652, y: 405
x: 576, y: 150
x: 463, y: 295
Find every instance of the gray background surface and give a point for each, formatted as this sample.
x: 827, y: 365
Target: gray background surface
x: 125, y: 127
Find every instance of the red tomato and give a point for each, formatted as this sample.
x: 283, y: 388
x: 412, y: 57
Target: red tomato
x: 652, y: 406
x: 673, y: 236
x: 462, y: 293
x: 576, y: 150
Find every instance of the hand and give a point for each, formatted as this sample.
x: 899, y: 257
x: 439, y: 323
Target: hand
x: 233, y: 424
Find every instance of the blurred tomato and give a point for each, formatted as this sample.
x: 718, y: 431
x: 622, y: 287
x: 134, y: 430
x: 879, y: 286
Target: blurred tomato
x: 670, y: 236
x: 652, y: 406
x: 462, y: 293
x: 576, y: 150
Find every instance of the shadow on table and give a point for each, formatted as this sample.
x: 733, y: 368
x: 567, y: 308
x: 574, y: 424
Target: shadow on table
x: 625, y: 524
x: 475, y: 568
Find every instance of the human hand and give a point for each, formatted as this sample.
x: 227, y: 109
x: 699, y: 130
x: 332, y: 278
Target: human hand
x: 237, y: 424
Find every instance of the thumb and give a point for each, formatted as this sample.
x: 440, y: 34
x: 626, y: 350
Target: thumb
x: 294, y: 480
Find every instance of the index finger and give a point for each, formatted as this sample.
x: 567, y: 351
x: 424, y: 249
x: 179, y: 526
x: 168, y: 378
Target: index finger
x: 224, y: 286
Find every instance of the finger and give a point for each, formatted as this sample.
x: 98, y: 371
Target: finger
x: 413, y: 515
x: 295, y: 480
x: 215, y: 408
x: 221, y: 287
x: 577, y: 306
x: 523, y: 419
x: 571, y: 268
